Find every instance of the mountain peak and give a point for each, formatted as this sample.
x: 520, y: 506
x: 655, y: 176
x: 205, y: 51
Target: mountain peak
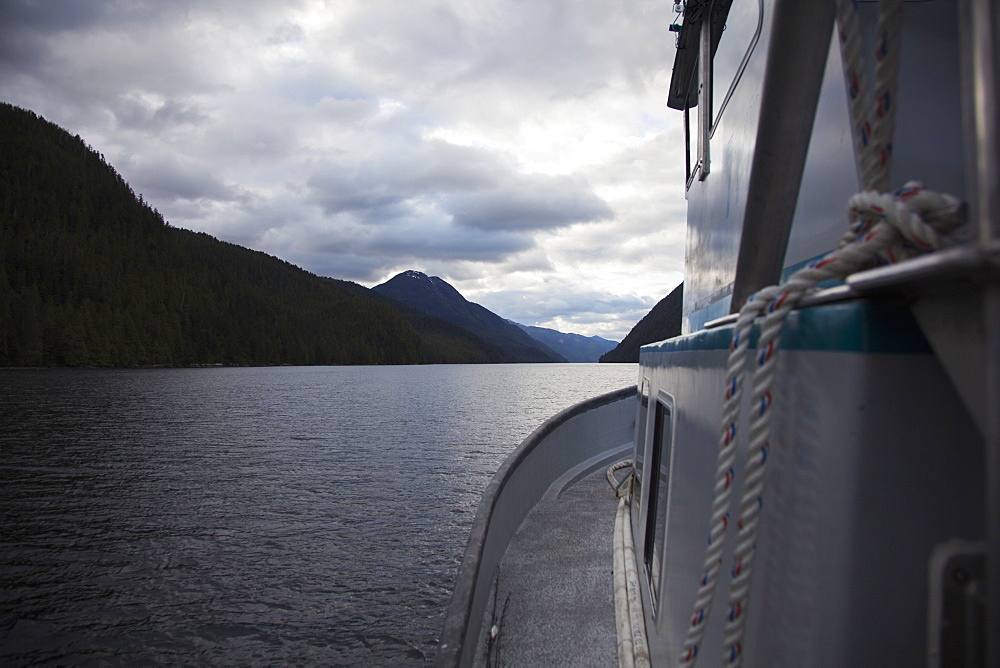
x: 436, y: 297
x: 414, y: 274
x: 413, y: 284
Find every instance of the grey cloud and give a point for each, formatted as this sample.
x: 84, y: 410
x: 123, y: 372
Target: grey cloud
x: 310, y: 140
x: 173, y: 112
x: 535, y: 261
x: 287, y: 33
x: 165, y: 180
x: 342, y: 190
x: 441, y: 165
x: 556, y: 301
x: 477, y: 188
x: 54, y: 15
x: 399, y: 38
x: 258, y: 137
x: 543, y: 50
x: 21, y: 52
x: 430, y: 238
x: 553, y: 48
x: 346, y: 110
x: 26, y: 25
x: 124, y: 45
x: 345, y: 266
x: 379, y: 187
x: 542, y: 42
x: 531, y: 203
x: 450, y: 245
x: 131, y: 113
x: 610, y: 315
x: 347, y: 248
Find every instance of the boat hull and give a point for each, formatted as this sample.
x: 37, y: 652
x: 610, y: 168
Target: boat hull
x: 874, y: 464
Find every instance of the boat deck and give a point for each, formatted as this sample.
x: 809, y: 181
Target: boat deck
x: 555, y: 590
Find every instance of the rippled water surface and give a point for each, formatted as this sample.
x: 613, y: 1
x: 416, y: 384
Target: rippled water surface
x: 275, y: 515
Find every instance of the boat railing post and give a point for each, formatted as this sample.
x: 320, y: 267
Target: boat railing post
x: 979, y: 22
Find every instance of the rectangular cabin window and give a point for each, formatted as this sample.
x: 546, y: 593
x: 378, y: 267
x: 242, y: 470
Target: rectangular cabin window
x: 659, y: 483
x: 640, y: 449
x: 705, y: 87
x: 740, y: 34
x: 705, y: 74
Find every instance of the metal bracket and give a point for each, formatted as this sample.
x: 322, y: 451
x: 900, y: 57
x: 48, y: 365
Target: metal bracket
x: 956, y: 611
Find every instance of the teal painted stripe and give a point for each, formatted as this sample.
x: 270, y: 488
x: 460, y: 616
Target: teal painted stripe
x: 857, y: 327
x: 787, y: 272
x: 717, y: 309
x: 721, y: 306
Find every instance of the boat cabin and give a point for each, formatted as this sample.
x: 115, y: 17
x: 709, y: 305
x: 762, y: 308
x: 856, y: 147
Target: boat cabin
x: 867, y: 494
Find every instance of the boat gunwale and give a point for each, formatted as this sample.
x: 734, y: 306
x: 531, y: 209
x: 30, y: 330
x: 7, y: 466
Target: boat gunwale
x: 455, y: 635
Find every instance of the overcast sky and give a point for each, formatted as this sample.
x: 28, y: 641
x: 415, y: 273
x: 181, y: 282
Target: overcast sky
x: 521, y: 150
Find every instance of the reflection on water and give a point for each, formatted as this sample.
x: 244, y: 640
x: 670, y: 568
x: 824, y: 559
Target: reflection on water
x: 278, y: 515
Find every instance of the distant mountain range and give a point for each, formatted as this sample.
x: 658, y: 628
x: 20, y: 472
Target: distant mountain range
x: 574, y: 347
x: 90, y: 274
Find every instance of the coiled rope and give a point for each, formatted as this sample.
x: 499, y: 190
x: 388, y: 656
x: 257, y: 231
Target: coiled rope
x: 622, y: 487
x: 882, y: 228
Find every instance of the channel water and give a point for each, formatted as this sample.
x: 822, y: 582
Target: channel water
x: 286, y: 515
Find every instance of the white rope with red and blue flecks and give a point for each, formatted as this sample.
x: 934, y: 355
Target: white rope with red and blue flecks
x: 912, y: 213
x: 873, y: 124
x: 894, y: 226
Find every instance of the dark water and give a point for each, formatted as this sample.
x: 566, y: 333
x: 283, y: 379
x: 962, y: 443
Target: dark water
x: 251, y: 516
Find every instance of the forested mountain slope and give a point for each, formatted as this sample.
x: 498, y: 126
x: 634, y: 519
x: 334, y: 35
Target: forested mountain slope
x: 92, y: 275
x: 662, y: 322
x: 436, y: 297
x: 443, y: 341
